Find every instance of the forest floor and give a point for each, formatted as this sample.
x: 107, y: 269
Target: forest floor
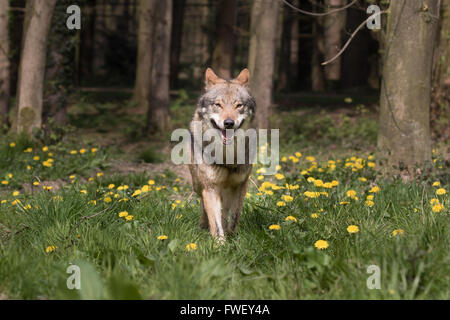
x: 100, y: 195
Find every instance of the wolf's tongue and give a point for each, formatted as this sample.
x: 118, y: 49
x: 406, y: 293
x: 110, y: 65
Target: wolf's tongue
x: 230, y: 134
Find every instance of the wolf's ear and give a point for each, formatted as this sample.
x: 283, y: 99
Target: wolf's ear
x: 211, y: 78
x: 243, y: 78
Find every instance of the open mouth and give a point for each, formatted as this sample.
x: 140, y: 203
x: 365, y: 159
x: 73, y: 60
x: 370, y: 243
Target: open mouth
x: 227, y: 134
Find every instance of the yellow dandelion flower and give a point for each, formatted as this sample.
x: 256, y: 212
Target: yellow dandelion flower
x: 83, y: 191
x: 45, y: 148
x: 129, y: 217
x: 441, y: 191
x: 369, y: 203
x: 82, y: 151
x: 321, y: 244
x: 274, y: 227
x: 291, y: 218
x: 123, y: 214
x: 73, y: 152
x: 279, y: 176
x: 12, y: 144
x: 344, y: 202
x: 436, y: 184
x: 310, y: 179
x: 151, y: 182
x: 287, y: 198
x: 370, y: 197
x: 283, y: 159
x: 47, y: 187
x: 36, y: 158
x: 437, y: 208
x: 314, y: 216
x: 99, y: 174
x: 371, y: 164
x: 374, y: 189
x: 281, y: 204
x: 94, y: 150
x: 260, y: 178
x: 5, y: 182
x: 398, y: 232
x: 16, y: 193
x: 191, y: 247
x: 318, y: 183
x: 298, y: 154
x: 107, y: 199
x: 50, y: 249
x: 351, y: 193
x: 434, y: 201
x: 352, y: 229
x: 162, y: 237
x: 136, y: 193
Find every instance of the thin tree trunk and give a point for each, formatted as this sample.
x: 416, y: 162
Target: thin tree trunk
x: 4, y: 62
x: 284, y: 67
x: 144, y: 59
x: 404, y: 126
x: 176, y: 40
x: 225, y: 40
x: 333, y: 27
x: 317, y: 70
x: 32, y: 66
x: 98, y: 61
x: 263, y: 33
x: 87, y: 39
x: 441, y: 77
x: 158, y: 112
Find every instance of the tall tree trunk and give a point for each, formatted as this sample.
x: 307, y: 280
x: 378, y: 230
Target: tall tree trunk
x: 404, y: 125
x: 263, y: 33
x: 15, y: 34
x: 225, y: 39
x: 32, y: 65
x: 284, y: 67
x: 355, y: 69
x: 4, y: 62
x: 176, y: 40
x: 158, y: 112
x: 333, y: 27
x: 441, y: 77
x: 317, y: 70
x: 98, y: 61
x: 60, y: 72
x: 294, y: 54
x: 146, y: 13
x: 87, y: 39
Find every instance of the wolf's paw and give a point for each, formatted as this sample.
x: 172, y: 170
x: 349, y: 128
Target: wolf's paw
x: 219, y: 241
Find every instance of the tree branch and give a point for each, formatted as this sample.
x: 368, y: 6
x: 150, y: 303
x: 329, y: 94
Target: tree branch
x: 351, y: 37
x: 314, y: 14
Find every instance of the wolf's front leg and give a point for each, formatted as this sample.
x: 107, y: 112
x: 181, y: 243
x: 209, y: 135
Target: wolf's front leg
x: 236, y: 208
x: 213, y: 207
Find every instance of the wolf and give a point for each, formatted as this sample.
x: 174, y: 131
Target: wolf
x: 225, y: 106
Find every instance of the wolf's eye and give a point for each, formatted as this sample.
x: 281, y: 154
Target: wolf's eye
x: 217, y: 105
x: 239, y: 105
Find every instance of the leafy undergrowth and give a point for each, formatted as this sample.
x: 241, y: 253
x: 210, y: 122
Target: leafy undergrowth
x: 309, y: 232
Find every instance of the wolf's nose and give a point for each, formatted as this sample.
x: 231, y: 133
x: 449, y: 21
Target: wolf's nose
x: 228, y: 123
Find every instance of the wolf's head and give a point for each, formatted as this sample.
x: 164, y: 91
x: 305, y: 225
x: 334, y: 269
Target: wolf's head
x: 226, y: 104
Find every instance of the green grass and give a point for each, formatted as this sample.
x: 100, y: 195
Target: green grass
x: 122, y: 259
